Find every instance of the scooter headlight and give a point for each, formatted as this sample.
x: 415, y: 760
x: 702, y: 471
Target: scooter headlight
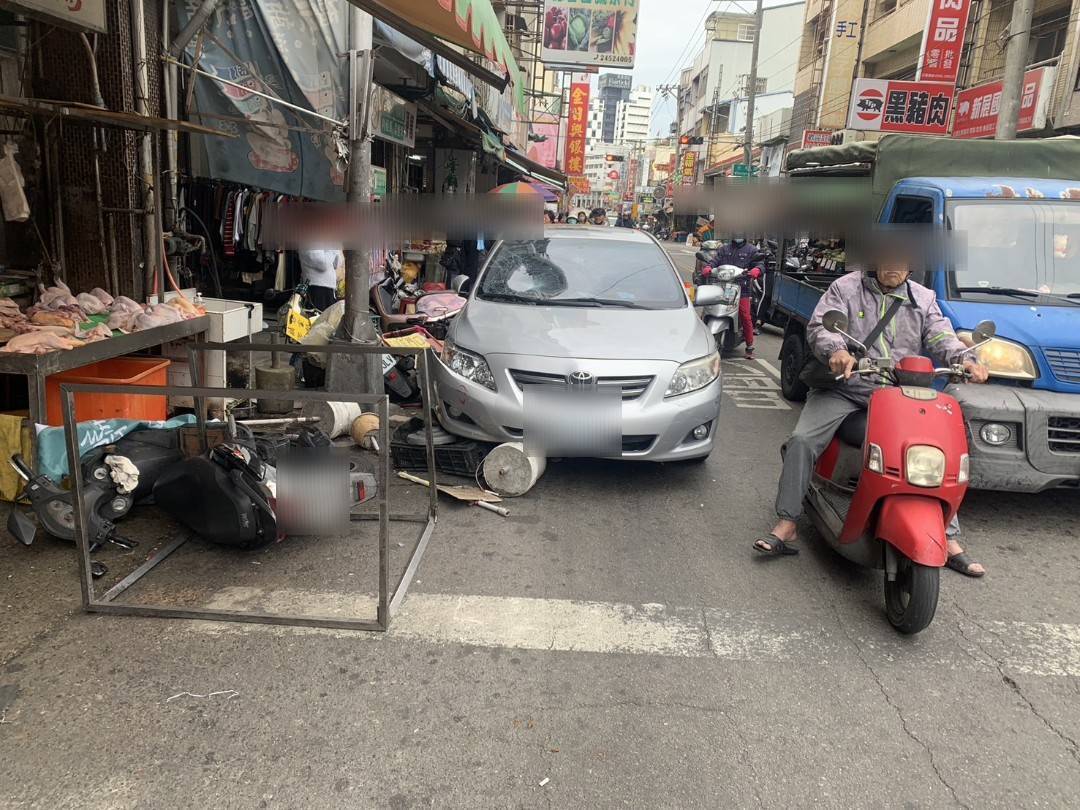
x: 925, y: 466
x: 694, y: 375
x: 471, y: 366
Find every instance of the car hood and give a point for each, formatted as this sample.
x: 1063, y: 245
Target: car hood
x: 1033, y: 326
x: 594, y: 333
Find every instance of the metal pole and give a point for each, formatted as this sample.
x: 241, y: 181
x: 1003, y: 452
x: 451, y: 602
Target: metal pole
x: 151, y: 226
x: 356, y: 327
x: 751, y: 92
x: 1015, y: 61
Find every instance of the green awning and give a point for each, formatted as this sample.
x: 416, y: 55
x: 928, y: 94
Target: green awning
x: 470, y: 24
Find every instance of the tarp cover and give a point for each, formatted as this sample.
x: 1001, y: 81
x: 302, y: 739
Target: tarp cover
x: 287, y: 48
x: 895, y: 157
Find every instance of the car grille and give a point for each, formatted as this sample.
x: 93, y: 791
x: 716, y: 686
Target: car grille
x: 1064, y: 364
x: 630, y: 444
x: 1063, y: 434
x: 631, y: 387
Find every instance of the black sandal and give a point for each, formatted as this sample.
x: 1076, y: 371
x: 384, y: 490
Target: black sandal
x: 776, y: 546
x: 962, y: 562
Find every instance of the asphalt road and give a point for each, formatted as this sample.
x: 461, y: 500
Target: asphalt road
x: 613, y: 643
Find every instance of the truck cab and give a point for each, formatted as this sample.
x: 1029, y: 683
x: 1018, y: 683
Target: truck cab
x: 1017, y: 263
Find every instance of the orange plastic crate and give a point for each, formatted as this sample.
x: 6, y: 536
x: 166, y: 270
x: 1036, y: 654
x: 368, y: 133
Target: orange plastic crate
x: 118, y: 371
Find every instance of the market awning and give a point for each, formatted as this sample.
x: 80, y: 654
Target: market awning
x: 538, y: 171
x: 469, y: 24
x: 487, y: 141
x: 100, y: 115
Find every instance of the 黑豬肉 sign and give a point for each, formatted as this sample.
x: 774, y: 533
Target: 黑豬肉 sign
x: 590, y: 32
x: 917, y: 108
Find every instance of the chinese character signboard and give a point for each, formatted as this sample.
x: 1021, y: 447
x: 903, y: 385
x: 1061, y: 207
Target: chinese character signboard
x: 580, y: 185
x: 943, y: 41
x: 393, y: 118
x: 813, y: 138
x: 977, y: 107
x: 689, y: 168
x: 917, y: 108
x: 846, y: 29
x: 590, y: 32
x: 84, y: 14
x: 576, y: 124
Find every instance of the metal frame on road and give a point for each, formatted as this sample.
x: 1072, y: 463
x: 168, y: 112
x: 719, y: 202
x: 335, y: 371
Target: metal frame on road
x: 388, y: 600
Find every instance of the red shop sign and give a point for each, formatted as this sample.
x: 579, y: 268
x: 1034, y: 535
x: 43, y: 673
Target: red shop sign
x: 977, y: 107
x: 943, y: 41
x: 917, y: 108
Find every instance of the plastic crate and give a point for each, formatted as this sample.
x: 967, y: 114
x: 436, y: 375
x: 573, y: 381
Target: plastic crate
x: 118, y: 371
x: 460, y: 458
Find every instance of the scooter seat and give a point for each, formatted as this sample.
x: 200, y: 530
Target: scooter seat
x: 852, y: 430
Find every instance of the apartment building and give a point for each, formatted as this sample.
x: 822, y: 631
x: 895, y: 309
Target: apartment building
x: 633, y: 115
x: 881, y: 39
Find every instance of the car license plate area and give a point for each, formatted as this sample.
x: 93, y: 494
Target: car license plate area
x: 572, y: 421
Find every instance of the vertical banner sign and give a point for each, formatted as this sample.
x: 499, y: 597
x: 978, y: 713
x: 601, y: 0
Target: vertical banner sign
x: 576, y: 124
x: 689, y: 167
x: 917, y: 108
x: 977, y: 107
x: 590, y: 32
x: 943, y: 41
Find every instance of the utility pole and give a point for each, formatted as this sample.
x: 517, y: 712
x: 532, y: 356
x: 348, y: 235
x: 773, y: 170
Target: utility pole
x: 1015, y: 61
x: 748, y: 145
x: 362, y: 374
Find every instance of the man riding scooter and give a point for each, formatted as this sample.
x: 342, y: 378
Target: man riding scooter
x: 740, y: 253
x: 913, y: 326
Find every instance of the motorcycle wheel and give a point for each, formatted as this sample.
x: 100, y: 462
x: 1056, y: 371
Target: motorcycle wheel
x: 911, y: 599
x: 726, y: 341
x: 792, y: 360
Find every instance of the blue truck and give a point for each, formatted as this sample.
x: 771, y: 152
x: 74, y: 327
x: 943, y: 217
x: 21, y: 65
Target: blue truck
x: 1018, y: 264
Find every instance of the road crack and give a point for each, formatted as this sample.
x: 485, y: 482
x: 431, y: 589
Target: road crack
x: 1010, y: 682
x: 896, y: 708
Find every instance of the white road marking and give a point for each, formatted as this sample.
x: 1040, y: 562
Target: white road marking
x: 565, y: 625
x: 769, y: 367
x: 750, y: 388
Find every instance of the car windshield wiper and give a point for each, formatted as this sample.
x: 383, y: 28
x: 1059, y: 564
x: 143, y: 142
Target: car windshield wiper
x: 1026, y: 295
x: 508, y: 298
x: 595, y: 302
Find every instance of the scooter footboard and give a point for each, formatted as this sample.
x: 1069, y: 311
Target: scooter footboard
x: 915, y: 526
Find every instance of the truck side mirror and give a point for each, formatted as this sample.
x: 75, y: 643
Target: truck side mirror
x: 834, y: 321
x: 459, y: 284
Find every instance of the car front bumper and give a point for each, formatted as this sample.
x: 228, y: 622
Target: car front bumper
x: 654, y: 428
x: 1043, y: 451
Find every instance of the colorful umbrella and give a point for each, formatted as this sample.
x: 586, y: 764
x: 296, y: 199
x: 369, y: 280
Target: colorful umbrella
x: 522, y: 187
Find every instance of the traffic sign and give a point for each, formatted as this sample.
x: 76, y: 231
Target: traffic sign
x: 739, y: 170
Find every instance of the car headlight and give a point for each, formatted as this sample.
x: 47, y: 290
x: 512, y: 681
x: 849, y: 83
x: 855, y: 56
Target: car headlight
x: 1003, y: 358
x: 467, y: 364
x: 925, y: 466
x: 694, y: 375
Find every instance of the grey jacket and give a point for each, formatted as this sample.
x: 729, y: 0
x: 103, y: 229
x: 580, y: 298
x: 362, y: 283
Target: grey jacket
x: 917, y: 328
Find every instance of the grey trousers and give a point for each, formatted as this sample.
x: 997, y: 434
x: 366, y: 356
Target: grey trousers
x: 818, y: 423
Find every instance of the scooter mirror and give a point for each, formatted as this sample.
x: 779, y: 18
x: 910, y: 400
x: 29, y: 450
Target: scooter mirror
x: 834, y: 321
x: 984, y: 331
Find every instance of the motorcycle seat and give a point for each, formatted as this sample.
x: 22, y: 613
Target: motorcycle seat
x: 852, y: 430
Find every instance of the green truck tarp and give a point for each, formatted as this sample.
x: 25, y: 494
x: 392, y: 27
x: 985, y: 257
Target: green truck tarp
x: 895, y: 157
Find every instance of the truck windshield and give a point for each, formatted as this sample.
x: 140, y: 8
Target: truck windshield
x: 1017, y: 252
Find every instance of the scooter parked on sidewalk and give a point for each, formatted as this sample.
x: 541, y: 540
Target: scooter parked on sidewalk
x: 894, y: 476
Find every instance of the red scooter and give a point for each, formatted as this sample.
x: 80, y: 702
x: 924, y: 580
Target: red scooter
x: 894, y: 476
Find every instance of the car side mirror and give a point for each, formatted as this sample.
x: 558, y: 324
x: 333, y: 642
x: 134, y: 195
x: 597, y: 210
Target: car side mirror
x: 460, y: 284
x: 984, y: 331
x: 834, y: 321
x: 708, y: 295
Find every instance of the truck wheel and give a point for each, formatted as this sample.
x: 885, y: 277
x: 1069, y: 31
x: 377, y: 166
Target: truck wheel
x: 792, y: 360
x: 911, y: 599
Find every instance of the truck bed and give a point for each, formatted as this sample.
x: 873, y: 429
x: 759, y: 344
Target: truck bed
x: 796, y: 294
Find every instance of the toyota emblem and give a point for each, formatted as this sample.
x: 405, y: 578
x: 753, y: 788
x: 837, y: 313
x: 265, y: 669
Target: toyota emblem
x: 581, y: 378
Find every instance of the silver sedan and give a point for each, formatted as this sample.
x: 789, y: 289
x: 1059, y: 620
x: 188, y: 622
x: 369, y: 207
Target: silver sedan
x: 583, y: 343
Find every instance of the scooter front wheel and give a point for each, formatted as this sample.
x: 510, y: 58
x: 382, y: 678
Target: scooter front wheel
x: 911, y: 599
